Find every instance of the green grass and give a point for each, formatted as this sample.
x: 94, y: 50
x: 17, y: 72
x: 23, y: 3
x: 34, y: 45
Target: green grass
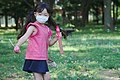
x: 87, y: 53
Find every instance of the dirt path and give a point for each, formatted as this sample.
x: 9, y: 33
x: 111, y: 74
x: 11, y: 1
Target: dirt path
x: 109, y: 74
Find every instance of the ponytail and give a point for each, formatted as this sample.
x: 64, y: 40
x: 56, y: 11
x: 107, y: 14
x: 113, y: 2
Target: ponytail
x: 51, y: 22
x: 29, y: 18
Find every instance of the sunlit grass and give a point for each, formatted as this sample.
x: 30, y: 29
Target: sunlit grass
x: 86, y: 53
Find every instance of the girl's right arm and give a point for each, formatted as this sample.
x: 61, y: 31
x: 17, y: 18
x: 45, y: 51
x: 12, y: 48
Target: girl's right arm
x: 29, y: 31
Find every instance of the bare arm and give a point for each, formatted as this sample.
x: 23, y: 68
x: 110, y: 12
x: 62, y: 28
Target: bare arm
x: 53, y: 41
x: 25, y: 36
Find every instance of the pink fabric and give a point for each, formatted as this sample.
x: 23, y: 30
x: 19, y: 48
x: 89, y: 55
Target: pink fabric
x: 37, y: 48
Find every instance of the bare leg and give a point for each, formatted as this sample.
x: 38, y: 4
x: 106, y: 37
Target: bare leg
x: 46, y: 76
x: 38, y: 76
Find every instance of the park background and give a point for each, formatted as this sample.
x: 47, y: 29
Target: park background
x: 91, y: 45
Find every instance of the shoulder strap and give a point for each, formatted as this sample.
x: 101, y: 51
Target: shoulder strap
x: 36, y: 25
x: 32, y: 24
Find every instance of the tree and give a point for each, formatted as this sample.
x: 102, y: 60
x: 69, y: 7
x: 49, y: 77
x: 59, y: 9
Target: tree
x: 15, y: 9
x: 108, y: 23
x: 116, y: 3
x: 85, y: 7
x: 50, y: 2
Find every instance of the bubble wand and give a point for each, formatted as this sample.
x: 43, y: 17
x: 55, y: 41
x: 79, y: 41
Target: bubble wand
x: 11, y: 42
x: 16, y: 48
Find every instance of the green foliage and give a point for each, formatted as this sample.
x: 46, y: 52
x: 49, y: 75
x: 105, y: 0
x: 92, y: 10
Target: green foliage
x: 15, y: 8
x: 69, y: 26
x: 87, y: 52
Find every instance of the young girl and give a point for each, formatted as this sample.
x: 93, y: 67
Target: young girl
x: 38, y: 35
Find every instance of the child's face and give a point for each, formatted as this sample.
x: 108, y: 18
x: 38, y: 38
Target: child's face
x: 43, y: 13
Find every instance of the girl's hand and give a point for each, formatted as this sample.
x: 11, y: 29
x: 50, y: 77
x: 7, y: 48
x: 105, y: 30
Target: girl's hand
x: 59, y: 36
x: 16, y: 49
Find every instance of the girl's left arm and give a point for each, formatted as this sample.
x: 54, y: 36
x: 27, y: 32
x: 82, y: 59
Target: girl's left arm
x: 53, y: 41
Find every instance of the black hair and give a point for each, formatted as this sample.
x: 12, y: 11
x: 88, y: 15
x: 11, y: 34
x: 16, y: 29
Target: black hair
x: 31, y: 18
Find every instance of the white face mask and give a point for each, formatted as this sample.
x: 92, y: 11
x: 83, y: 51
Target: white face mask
x: 42, y: 19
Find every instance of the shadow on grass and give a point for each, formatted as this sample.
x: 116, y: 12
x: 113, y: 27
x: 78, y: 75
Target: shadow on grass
x: 85, y: 56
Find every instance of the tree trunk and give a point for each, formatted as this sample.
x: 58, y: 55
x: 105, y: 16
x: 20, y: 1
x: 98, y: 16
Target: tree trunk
x: 97, y: 14
x: 85, y: 6
x: 103, y: 13
x: 108, y: 24
x: 76, y: 18
x: 63, y: 16
x: 6, y: 20
x: 16, y: 22
x: 116, y: 12
x: 6, y: 17
x: 114, y: 16
x: 0, y: 22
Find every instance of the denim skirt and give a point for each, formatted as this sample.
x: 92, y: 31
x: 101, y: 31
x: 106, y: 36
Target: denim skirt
x: 38, y: 66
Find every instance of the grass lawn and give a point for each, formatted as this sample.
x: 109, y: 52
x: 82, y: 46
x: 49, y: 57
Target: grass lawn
x: 90, y: 54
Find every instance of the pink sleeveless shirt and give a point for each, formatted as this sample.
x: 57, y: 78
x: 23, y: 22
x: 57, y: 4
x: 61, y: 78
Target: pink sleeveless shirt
x: 37, y: 48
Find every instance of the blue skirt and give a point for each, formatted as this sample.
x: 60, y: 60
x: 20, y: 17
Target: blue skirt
x: 38, y: 66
